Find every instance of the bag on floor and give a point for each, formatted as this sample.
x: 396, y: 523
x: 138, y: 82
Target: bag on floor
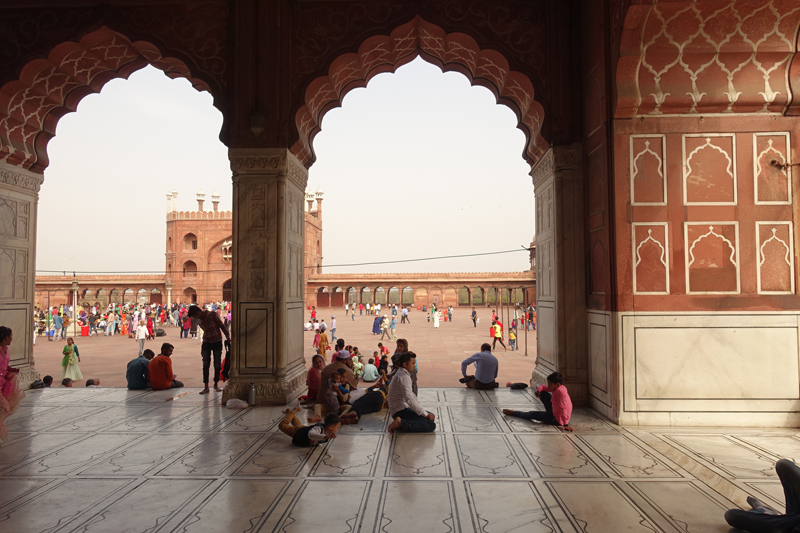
x: 517, y: 386
x: 236, y: 403
x: 160, y: 333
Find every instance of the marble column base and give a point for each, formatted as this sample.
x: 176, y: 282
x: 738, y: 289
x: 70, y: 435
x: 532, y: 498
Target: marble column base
x: 270, y: 390
x: 27, y: 375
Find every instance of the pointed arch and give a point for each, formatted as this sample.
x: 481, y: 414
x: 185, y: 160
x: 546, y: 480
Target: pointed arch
x: 453, y: 51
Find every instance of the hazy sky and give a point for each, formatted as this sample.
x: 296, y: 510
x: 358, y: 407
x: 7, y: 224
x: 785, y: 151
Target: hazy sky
x: 418, y: 164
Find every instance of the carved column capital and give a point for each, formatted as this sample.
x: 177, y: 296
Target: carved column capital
x: 269, y: 161
x: 20, y: 178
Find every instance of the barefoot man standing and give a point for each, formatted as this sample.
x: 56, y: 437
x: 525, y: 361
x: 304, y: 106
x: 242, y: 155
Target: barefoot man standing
x: 213, y: 328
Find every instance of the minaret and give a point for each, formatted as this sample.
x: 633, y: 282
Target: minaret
x: 174, y: 199
x: 310, y: 200
x: 215, y: 200
x: 169, y: 201
x: 318, y: 194
x: 201, y: 197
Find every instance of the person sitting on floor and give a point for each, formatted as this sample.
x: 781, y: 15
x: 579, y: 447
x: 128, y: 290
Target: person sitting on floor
x: 485, y: 369
x: 305, y: 436
x: 93, y: 383
x: 137, y: 375
x: 336, y: 397
x: 314, y: 379
x: 160, y: 370
x: 557, y: 404
x: 763, y: 518
x: 370, y: 371
x: 404, y: 407
x: 66, y: 382
x: 48, y: 381
x: 358, y: 368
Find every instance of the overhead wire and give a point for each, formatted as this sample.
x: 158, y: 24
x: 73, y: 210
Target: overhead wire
x: 156, y: 272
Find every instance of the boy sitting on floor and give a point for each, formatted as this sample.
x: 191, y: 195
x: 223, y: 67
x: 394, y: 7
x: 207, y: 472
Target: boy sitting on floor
x: 337, y: 395
x: 557, y: 404
x: 312, y: 435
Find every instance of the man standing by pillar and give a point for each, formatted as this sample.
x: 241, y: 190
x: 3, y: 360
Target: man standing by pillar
x: 213, y: 328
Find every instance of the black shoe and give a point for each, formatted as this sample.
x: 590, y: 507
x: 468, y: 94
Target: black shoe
x: 462, y: 380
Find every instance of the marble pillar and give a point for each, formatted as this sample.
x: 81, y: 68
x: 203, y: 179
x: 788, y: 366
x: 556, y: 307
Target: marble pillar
x: 560, y: 270
x: 19, y: 199
x: 268, y: 275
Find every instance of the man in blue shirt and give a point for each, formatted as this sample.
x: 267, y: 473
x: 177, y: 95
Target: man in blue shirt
x: 137, y: 374
x: 485, y: 369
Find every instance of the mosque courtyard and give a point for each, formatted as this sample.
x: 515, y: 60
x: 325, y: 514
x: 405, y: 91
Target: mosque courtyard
x: 110, y: 459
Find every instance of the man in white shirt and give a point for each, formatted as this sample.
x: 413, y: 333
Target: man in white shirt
x: 407, y: 413
x: 333, y: 328
x: 141, y: 336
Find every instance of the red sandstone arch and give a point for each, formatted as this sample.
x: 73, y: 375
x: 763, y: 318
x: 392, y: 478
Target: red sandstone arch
x: 47, y: 89
x: 451, y: 52
x: 686, y: 57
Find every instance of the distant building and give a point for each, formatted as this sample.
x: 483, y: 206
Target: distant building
x: 199, y: 251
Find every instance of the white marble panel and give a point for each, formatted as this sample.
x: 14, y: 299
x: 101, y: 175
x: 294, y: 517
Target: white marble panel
x: 147, y: 508
x: 600, y: 504
x: 487, y: 456
x: 326, y: 506
x: 686, y: 507
x: 462, y: 396
x: 255, y: 500
x: 76, y: 454
x: 20, y: 451
x: 508, y: 506
x: 429, y: 396
x: 12, y: 489
x: 27, y: 409
x: 504, y: 395
x: 50, y: 418
x: 626, y: 458
x: 151, y: 419
x: 782, y: 446
x: 724, y: 455
x: 557, y: 456
x: 257, y: 420
x: 421, y: 505
x: 369, y: 423
x: 349, y: 455
x: 277, y: 456
x: 204, y: 419
x: 417, y: 454
x: 104, y: 419
x: 142, y: 456
x: 212, y: 456
x: 58, y: 507
x: 473, y: 418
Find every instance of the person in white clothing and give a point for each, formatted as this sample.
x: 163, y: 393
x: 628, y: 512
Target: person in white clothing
x: 141, y: 336
x: 407, y: 413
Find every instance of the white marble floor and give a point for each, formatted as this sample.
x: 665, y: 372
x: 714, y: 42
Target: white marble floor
x: 93, y: 460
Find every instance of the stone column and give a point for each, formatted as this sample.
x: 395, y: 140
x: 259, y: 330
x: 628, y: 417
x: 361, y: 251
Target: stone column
x: 560, y: 270
x: 267, y: 275
x: 19, y: 200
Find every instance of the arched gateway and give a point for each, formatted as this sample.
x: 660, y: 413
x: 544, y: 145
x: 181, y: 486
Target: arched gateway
x: 660, y: 135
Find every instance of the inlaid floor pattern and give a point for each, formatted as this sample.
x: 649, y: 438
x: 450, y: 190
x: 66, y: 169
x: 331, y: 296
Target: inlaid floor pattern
x: 93, y: 460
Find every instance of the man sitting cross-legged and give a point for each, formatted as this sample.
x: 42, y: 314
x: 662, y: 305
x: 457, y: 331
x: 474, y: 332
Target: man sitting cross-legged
x: 485, y: 369
x: 160, y: 370
x: 137, y: 374
x: 557, y: 404
x: 763, y: 518
x: 407, y: 413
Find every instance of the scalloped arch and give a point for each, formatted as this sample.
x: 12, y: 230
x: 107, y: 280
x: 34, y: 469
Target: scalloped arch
x: 48, y: 89
x: 450, y: 52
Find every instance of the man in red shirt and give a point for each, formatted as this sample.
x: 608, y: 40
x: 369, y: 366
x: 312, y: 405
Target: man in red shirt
x: 159, y: 370
x: 213, y: 329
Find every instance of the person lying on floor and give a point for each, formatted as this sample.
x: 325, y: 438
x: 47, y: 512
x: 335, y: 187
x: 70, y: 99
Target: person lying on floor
x: 557, y: 404
x: 312, y: 435
x: 764, y: 519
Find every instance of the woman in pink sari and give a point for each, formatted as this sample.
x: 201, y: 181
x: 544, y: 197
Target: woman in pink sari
x: 10, y: 395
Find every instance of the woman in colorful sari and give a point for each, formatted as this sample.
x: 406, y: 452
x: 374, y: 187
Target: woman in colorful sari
x: 10, y: 395
x: 69, y: 362
x: 124, y: 325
